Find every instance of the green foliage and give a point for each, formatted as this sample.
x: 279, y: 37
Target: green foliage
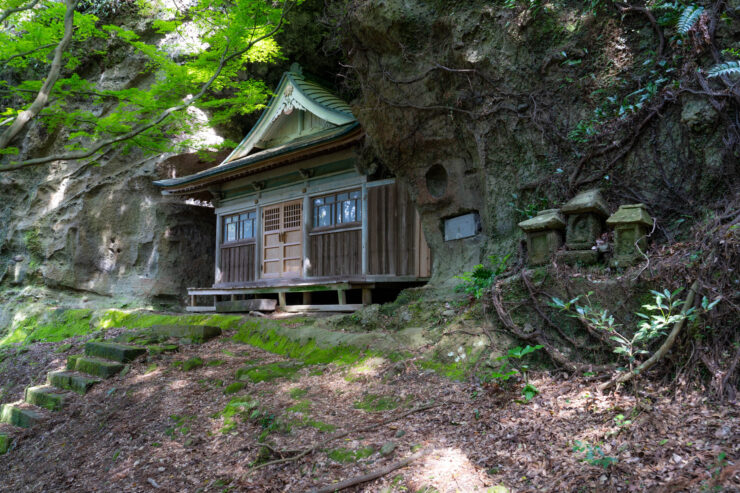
x: 594, y: 455
x: 688, y: 18
x: 529, y: 209
x: 730, y: 69
x: 657, y: 318
x: 480, y: 279
x: 504, y: 373
x: 208, y: 45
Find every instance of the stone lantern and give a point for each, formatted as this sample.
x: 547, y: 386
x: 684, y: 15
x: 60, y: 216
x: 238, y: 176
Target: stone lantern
x: 631, y: 225
x: 544, y: 235
x: 585, y: 222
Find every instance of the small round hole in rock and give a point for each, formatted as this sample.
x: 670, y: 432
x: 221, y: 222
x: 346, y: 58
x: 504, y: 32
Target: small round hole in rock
x: 437, y: 181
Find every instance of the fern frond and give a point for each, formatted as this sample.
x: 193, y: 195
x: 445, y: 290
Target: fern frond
x: 688, y: 18
x: 727, y: 68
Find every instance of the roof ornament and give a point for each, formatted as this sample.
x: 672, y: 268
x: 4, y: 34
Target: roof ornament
x: 296, y: 68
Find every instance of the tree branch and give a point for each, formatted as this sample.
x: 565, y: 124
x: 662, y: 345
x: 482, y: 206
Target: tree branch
x: 105, y: 143
x: 25, y: 53
x: 10, y: 12
x: 43, y: 96
x: 370, y: 476
x: 300, y: 453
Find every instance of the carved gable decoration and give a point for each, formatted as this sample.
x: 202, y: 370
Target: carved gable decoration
x: 299, y: 108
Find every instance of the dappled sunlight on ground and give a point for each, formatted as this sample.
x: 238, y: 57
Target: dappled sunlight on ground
x: 204, y: 430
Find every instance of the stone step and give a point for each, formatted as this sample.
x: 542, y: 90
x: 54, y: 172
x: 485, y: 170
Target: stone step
x: 114, y: 351
x: 47, y: 397
x: 17, y: 416
x: 75, y: 382
x: 195, y: 333
x: 98, y: 367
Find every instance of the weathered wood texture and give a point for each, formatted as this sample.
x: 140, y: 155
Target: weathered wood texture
x: 237, y: 263
x: 396, y: 244
x: 337, y: 253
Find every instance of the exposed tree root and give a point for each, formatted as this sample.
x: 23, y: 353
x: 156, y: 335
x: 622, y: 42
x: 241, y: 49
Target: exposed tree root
x: 664, y: 348
x: 536, y: 336
x: 370, y: 476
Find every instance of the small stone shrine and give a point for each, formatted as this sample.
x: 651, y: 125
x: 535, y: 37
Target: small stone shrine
x: 585, y: 215
x: 631, y: 225
x: 544, y: 235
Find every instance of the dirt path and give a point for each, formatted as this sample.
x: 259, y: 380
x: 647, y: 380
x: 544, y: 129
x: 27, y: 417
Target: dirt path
x: 159, y: 428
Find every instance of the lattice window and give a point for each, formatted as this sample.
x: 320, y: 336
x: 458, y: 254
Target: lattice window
x: 239, y: 227
x: 292, y: 215
x: 272, y: 219
x: 337, y: 209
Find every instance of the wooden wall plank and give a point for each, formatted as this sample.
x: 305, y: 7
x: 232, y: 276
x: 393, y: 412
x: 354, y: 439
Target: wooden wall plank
x: 336, y: 254
x: 392, y: 240
x: 237, y: 263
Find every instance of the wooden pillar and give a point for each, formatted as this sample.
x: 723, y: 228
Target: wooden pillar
x: 281, y: 300
x: 342, y: 296
x: 307, y: 297
x: 258, y: 244
x: 365, y: 226
x: 307, y: 223
x: 367, y: 296
x: 219, y: 224
x: 192, y: 300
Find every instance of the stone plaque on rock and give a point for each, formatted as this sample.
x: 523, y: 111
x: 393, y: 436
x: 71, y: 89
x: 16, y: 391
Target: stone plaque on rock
x: 544, y: 235
x: 460, y: 227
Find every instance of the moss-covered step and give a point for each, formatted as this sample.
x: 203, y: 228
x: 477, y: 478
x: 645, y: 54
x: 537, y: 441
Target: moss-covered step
x: 123, y: 353
x: 68, y: 380
x: 162, y: 348
x: 16, y: 416
x: 98, y: 367
x: 47, y: 397
x: 5, y: 442
x: 196, y: 333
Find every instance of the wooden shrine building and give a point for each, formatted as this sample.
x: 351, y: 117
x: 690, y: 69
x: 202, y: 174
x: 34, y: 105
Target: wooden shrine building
x: 296, y: 219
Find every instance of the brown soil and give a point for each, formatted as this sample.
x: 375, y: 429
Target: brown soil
x: 159, y: 429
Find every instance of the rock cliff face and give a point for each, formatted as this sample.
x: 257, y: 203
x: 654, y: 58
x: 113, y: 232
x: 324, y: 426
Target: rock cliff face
x: 493, y: 110
x: 478, y: 107
x: 104, y: 230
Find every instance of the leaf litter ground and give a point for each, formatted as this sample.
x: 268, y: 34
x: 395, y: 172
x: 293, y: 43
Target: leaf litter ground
x: 159, y: 428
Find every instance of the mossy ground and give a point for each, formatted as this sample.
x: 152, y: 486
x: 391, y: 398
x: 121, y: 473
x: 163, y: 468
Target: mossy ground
x: 269, y: 372
x: 375, y: 403
x: 50, y: 327
x: 345, y: 455
x: 259, y: 334
x: 242, y: 407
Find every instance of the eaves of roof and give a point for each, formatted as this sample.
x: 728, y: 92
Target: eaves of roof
x: 319, y: 143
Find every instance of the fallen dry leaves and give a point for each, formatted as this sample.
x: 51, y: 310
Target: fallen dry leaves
x: 157, y: 428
